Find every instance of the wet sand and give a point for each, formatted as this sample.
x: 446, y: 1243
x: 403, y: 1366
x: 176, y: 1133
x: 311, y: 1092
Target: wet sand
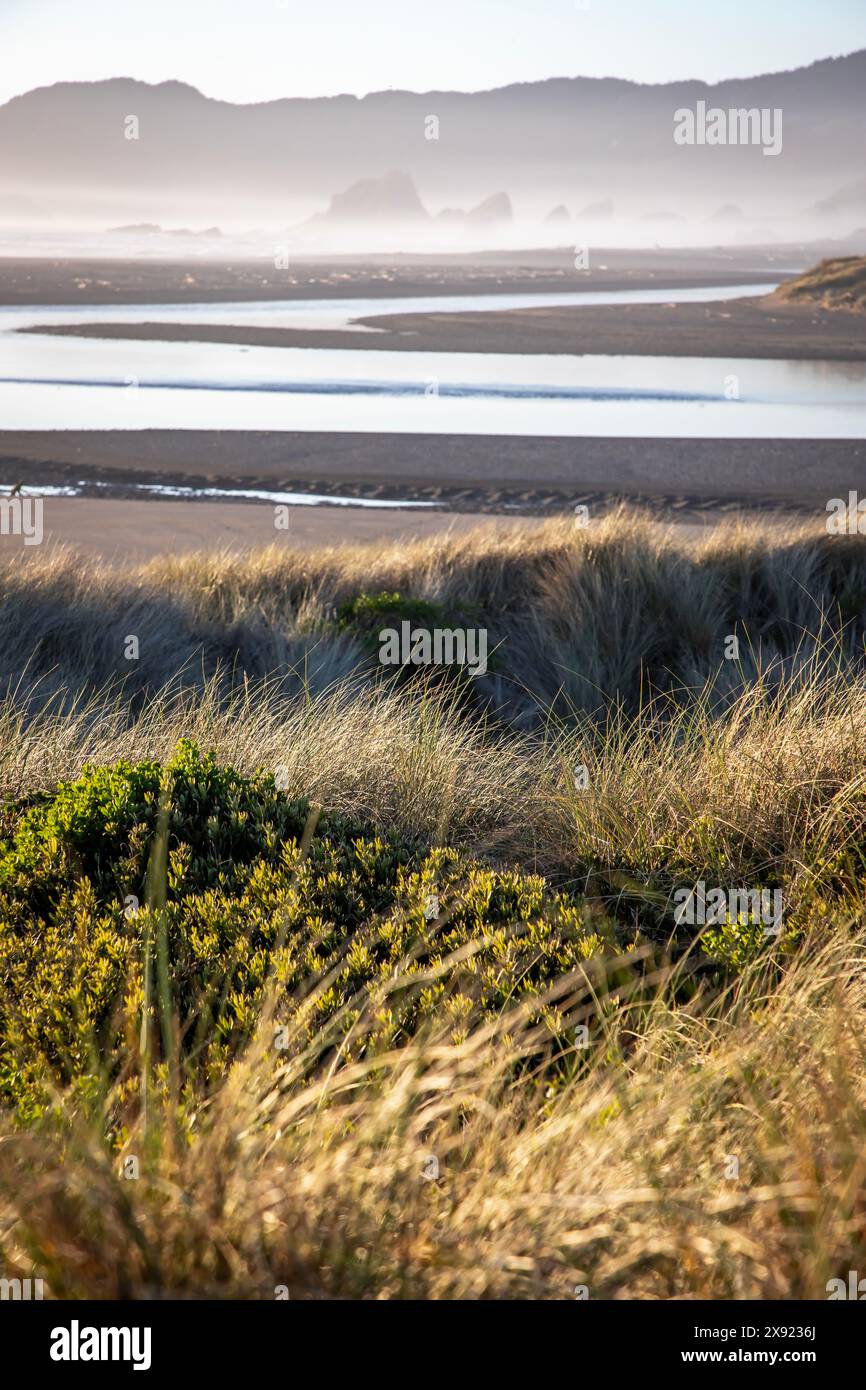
x: 756, y: 328
x: 463, y: 473
x: 760, y: 327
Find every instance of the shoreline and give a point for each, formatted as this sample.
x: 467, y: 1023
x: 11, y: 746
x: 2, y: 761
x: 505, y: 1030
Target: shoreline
x: 481, y: 474
x: 759, y: 328
x: 458, y: 476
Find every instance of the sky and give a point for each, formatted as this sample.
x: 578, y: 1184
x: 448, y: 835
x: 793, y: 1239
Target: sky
x: 256, y: 50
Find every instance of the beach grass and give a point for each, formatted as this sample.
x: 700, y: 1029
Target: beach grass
x: 543, y: 1086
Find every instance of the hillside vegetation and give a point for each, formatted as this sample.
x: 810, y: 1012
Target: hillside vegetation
x: 836, y: 283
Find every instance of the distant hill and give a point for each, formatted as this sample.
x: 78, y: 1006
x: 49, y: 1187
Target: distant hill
x: 65, y: 149
x: 136, y: 229
x: 728, y: 212
x: 602, y: 209
x: 838, y: 283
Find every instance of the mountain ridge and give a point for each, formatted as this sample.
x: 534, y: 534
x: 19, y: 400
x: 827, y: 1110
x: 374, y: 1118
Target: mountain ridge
x: 857, y: 55
x: 572, y: 140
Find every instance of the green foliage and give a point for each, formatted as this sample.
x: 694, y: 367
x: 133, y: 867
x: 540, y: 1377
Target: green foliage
x: 334, y: 922
x: 99, y: 828
x: 365, y: 612
x: 367, y: 615
x: 739, y: 941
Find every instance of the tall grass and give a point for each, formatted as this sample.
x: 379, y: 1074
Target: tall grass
x: 713, y: 1151
x: 577, y: 618
x: 707, y: 1136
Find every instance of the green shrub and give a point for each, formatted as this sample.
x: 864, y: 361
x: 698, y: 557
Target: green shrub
x: 335, y: 924
x: 366, y: 615
x: 366, y: 612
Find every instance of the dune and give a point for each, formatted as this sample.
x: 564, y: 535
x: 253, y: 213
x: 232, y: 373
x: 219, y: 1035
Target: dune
x: 836, y: 283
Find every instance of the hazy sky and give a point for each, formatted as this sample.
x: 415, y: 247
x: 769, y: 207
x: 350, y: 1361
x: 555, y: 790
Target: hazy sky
x: 253, y: 50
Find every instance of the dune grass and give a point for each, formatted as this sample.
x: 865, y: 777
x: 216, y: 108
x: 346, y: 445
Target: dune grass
x: 576, y: 619
x: 709, y: 1151
x: 664, y: 1114
x: 838, y: 282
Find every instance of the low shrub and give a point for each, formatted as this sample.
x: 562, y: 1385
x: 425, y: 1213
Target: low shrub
x: 367, y: 936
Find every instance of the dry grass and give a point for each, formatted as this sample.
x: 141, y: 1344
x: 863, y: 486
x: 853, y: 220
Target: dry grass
x: 615, y: 1170
x: 839, y: 282
x: 623, y: 1180
x: 577, y: 618
x: 776, y: 780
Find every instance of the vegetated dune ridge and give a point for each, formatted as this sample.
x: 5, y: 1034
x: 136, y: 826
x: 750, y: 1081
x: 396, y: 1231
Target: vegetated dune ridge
x: 368, y: 1018
x: 575, y: 617
x: 836, y: 283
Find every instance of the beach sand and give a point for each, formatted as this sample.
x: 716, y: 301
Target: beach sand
x: 120, y: 531
x: 123, y: 531
x: 461, y: 473
x: 109, y: 280
x: 744, y: 328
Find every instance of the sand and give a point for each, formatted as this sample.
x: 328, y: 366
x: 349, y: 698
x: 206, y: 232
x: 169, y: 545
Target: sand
x: 464, y: 473
x: 45, y: 280
x: 756, y: 327
x: 760, y: 327
x: 121, y: 531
